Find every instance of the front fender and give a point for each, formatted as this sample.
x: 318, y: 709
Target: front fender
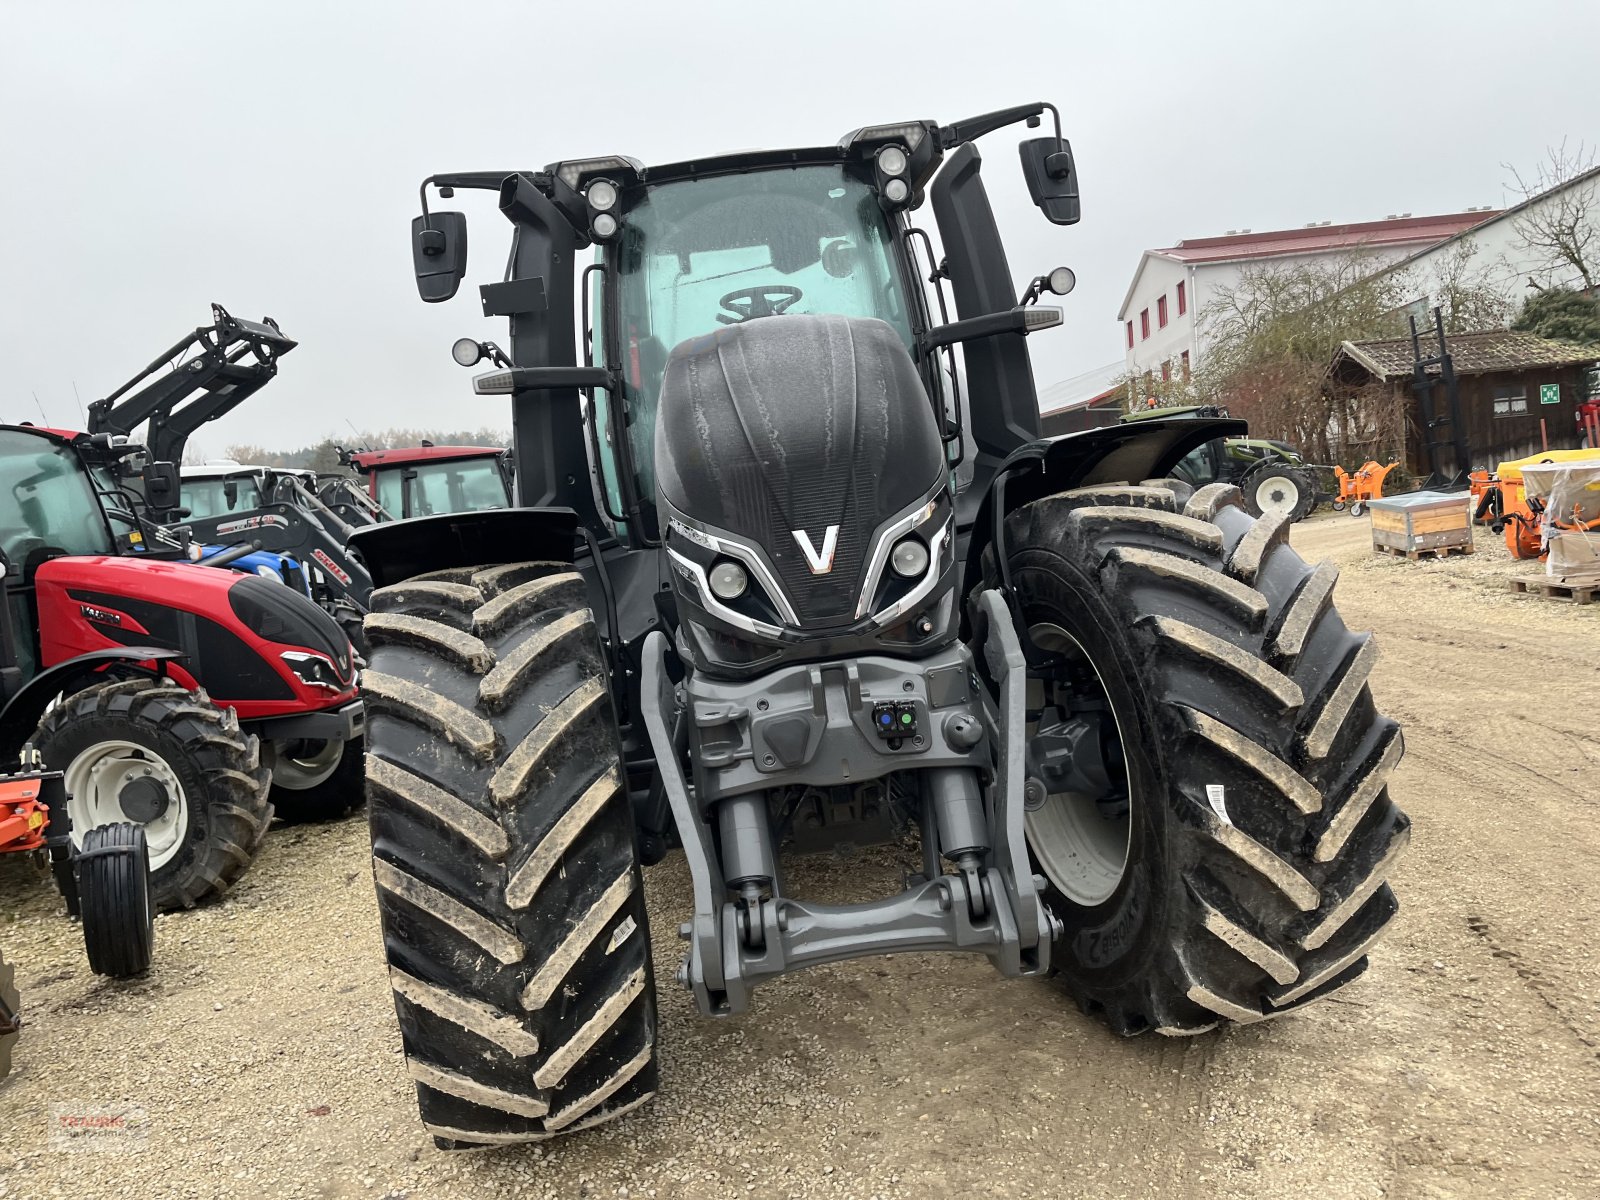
x: 1123, y: 453
x: 22, y: 712
x: 397, y: 550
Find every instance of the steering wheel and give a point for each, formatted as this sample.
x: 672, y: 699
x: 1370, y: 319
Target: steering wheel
x: 746, y: 304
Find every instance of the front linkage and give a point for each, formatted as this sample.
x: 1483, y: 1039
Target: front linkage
x: 798, y: 724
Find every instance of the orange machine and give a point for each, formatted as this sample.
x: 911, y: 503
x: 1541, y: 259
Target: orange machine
x: 22, y: 816
x: 1503, y: 502
x: 1366, y: 484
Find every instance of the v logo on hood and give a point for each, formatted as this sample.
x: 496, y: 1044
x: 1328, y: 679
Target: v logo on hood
x: 822, y: 563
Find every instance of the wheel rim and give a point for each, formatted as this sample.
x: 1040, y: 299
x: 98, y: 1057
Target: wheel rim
x: 1080, y: 846
x: 302, y: 764
x: 1277, y: 494
x: 124, y: 781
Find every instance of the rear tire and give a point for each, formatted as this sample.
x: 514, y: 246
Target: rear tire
x: 503, y: 849
x: 303, y: 790
x: 1249, y: 875
x: 117, y: 902
x: 1279, y: 489
x: 206, y: 822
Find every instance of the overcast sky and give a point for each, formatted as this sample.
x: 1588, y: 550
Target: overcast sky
x: 159, y: 156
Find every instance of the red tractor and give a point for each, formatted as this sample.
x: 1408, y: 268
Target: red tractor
x: 184, y: 698
x: 428, y: 480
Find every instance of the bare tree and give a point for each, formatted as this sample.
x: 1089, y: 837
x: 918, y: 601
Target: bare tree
x: 1463, y: 289
x: 1562, y: 226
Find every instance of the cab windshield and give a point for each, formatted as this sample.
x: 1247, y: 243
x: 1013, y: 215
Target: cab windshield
x: 446, y: 486
x: 218, y: 497
x: 49, y: 502
x: 703, y: 253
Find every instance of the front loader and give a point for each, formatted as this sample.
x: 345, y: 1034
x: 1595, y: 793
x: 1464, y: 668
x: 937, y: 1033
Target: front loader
x: 784, y: 578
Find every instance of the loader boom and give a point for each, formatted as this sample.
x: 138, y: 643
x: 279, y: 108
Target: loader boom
x: 233, y: 359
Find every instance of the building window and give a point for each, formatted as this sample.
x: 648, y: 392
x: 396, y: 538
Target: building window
x: 1161, y: 311
x: 1166, y: 370
x: 1185, y: 353
x: 1144, y: 324
x: 1130, y: 335
x: 1511, y: 401
x: 1183, y: 299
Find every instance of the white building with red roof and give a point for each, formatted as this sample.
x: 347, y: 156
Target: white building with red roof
x: 1161, y: 331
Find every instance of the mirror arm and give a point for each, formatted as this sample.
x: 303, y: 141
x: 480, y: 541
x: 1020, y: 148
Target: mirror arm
x: 988, y: 325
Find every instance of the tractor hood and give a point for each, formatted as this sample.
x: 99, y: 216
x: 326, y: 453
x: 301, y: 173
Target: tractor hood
x: 234, y: 630
x: 802, y: 436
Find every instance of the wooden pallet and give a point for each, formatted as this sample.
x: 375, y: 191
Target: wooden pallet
x: 1413, y: 555
x: 1579, y: 591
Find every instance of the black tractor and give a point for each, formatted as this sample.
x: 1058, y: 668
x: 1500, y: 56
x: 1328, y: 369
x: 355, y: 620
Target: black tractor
x: 793, y: 569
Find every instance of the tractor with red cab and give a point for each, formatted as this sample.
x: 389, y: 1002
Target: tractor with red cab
x: 429, y: 480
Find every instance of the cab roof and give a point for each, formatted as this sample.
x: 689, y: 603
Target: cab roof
x: 367, y: 460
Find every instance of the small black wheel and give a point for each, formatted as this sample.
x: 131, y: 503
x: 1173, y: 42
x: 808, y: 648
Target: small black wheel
x: 118, y: 905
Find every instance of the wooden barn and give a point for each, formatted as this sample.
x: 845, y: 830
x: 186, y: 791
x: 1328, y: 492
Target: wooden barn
x: 1517, y: 394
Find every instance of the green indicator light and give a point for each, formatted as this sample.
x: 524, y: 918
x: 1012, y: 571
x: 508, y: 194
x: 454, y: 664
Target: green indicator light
x: 905, y: 718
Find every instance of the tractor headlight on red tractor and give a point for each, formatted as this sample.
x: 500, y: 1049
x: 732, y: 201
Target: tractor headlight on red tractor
x: 314, y: 670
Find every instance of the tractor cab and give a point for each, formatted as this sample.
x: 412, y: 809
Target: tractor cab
x: 690, y: 249
x: 428, y: 480
x: 48, y: 508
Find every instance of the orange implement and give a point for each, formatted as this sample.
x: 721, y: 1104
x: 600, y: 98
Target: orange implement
x: 1366, y: 484
x: 22, y: 816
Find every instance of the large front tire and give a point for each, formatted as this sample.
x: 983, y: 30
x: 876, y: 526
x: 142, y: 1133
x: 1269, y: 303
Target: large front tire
x: 1244, y: 832
x: 152, y: 752
x: 503, y: 849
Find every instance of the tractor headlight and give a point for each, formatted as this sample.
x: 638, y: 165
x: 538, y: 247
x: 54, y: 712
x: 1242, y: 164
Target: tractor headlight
x: 604, y: 225
x: 313, y: 670
x: 728, y: 580
x: 267, y: 572
x: 896, y: 191
x: 602, y: 195
x: 892, y: 160
x: 909, y: 558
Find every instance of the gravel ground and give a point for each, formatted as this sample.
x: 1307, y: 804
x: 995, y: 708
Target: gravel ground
x: 260, y: 1057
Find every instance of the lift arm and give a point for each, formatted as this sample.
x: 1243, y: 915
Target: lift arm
x: 232, y: 360
x: 293, y: 521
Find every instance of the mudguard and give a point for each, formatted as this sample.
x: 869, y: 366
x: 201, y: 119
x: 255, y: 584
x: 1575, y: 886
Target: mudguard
x: 397, y: 550
x: 22, y: 712
x: 1123, y: 453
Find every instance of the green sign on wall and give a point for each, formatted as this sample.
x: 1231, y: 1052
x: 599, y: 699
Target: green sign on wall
x: 1549, y: 393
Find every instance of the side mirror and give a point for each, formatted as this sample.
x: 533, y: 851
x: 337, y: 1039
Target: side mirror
x: 1052, y: 178
x: 230, y: 493
x: 161, y: 487
x: 439, y: 254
